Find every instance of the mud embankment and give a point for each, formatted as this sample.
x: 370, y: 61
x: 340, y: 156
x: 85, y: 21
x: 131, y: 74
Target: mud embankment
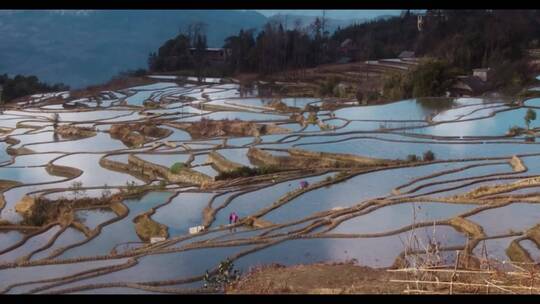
x: 517, y: 164
x: 146, y: 228
x: 40, y: 211
x: 220, y: 163
x: 489, y: 190
x: 125, y: 168
x: 72, y: 132
x: 63, y: 171
x: 301, y: 159
x: 137, y: 134
x: 516, y: 253
x: 16, y: 151
x: 206, y: 128
x: 185, y: 175
x: 113, y: 85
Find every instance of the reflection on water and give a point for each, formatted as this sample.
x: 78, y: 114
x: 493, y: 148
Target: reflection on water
x: 452, y: 128
x: 375, y: 252
x: 503, y: 220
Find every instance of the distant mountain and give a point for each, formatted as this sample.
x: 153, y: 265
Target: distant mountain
x: 331, y: 24
x: 339, y: 14
x: 87, y: 47
x: 383, y: 17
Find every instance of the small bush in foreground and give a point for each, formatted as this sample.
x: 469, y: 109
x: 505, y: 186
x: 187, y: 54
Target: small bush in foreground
x: 429, y: 155
x: 226, y: 274
x: 514, y: 130
x: 412, y: 157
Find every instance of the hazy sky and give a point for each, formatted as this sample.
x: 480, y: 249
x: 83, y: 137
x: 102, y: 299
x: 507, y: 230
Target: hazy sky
x: 334, y: 14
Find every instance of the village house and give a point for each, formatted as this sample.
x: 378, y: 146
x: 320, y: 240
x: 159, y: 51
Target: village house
x: 406, y: 55
x: 213, y: 55
x: 347, y: 49
x: 471, y: 85
x: 483, y: 74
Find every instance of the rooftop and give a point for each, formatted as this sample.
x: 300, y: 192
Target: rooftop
x: 210, y: 49
x: 406, y: 54
x: 346, y: 42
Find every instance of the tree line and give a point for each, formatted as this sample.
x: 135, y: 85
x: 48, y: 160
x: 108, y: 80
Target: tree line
x: 464, y: 39
x: 20, y: 86
x: 275, y: 49
x: 175, y: 54
x: 272, y: 49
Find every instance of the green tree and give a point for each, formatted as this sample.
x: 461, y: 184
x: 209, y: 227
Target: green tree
x: 131, y: 186
x: 529, y: 116
x: 76, y: 188
x: 429, y: 156
x: 396, y: 86
x: 176, y: 167
x: 431, y: 78
x: 20, y: 86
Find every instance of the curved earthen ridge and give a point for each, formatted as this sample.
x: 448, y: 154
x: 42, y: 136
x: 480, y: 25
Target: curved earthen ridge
x: 149, y: 129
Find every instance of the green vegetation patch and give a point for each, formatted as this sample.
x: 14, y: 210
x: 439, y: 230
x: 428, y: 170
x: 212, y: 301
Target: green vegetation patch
x: 177, y: 167
x: 432, y: 77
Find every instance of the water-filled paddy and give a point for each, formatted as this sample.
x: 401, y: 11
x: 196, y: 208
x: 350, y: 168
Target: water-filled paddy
x: 465, y: 130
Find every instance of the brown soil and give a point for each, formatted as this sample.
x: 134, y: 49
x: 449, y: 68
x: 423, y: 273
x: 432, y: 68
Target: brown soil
x: 486, y: 190
x: 358, y: 75
x: 257, y: 222
x: 280, y: 106
x: 220, y: 163
x: 316, y: 279
x: 302, y: 159
x: 4, y: 184
x: 25, y: 205
x: 4, y: 223
x: 19, y: 151
x: 134, y: 135
x: 42, y: 211
x: 185, y: 175
x: 207, y: 128
x: 348, y: 278
x: 115, y: 84
x: 72, y: 132
x: 334, y: 104
x: 517, y: 253
x: 517, y: 164
x: 146, y: 228
x: 299, y: 118
x: 63, y: 171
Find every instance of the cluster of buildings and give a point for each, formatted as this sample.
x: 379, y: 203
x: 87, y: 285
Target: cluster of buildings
x: 464, y: 86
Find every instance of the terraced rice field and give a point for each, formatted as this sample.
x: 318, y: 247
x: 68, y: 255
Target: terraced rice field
x: 365, y: 196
